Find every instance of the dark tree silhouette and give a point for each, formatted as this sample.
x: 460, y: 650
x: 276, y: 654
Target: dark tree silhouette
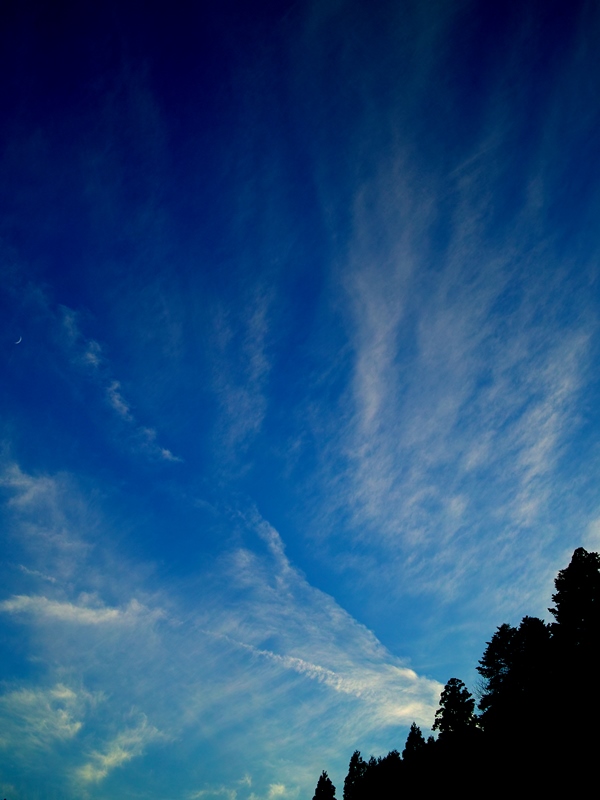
x: 389, y: 769
x: 325, y: 789
x: 353, y: 784
x: 495, y: 666
x: 414, y: 760
x: 381, y: 776
x: 577, y: 602
x: 537, y: 731
x: 415, y: 744
x: 457, y: 744
x: 515, y: 668
x: 455, y: 716
x: 576, y: 651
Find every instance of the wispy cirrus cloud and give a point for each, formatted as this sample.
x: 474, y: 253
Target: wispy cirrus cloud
x: 250, y: 633
x: 115, y: 398
x: 88, y: 354
x: 220, y: 791
x: 467, y: 358
x: 128, y: 744
x: 45, y: 609
x: 39, y: 718
x: 57, y: 332
x: 144, y: 438
x: 458, y: 417
x: 339, y: 652
x: 275, y: 790
x: 242, y: 366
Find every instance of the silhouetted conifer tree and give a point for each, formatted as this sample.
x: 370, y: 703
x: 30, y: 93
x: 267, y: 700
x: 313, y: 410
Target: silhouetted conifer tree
x: 415, y: 744
x: 457, y: 743
x: 538, y: 722
x: 455, y: 716
x: 577, y: 604
x: 576, y: 650
x: 325, y: 789
x: 516, y: 669
x: 382, y: 776
x: 390, y: 767
x: 353, y: 784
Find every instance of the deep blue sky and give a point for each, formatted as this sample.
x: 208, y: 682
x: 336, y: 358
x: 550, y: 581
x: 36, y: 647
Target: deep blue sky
x: 305, y: 399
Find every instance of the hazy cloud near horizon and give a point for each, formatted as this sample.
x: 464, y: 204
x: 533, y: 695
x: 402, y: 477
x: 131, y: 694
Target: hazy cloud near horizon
x: 210, y: 660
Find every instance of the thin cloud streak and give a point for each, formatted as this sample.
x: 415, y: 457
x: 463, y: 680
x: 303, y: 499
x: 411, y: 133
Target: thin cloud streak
x: 128, y: 744
x: 344, y: 259
x: 194, y: 662
x: 242, y: 367
x: 88, y: 355
x: 38, y: 718
x: 467, y: 363
x: 45, y: 609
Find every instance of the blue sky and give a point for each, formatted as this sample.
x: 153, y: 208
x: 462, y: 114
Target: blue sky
x: 305, y: 399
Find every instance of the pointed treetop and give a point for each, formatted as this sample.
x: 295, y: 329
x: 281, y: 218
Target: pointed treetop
x: 325, y: 789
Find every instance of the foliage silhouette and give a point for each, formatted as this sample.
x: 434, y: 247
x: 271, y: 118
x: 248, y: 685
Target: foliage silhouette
x: 537, y: 724
x: 577, y: 603
x: 325, y: 789
x: 514, y: 667
x: 353, y: 784
x: 415, y: 744
x: 455, y: 716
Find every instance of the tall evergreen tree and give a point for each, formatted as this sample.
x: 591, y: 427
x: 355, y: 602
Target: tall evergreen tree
x: 325, y: 789
x: 495, y: 666
x: 353, y: 783
x: 576, y: 651
x: 516, y: 669
x: 456, y: 752
x: 538, y: 718
x: 455, y: 716
x: 381, y: 777
x: 415, y: 744
x: 577, y: 603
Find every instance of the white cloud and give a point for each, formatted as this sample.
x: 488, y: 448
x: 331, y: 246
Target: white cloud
x: 37, y: 574
x: 88, y: 353
x: 68, y: 612
x: 128, y: 744
x: 115, y: 398
x: 45, y: 518
x: 442, y: 465
x: 460, y: 401
x: 250, y: 658
x: 93, y: 354
x: 38, y: 718
x: 316, y: 638
x: 242, y: 367
x: 29, y: 490
x: 220, y: 791
x: 592, y: 536
x: 144, y: 437
x: 45, y: 608
x: 147, y: 437
x: 277, y: 790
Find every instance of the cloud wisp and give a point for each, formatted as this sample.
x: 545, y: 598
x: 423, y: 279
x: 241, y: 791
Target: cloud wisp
x: 467, y: 357
x: 129, y: 743
x: 189, y: 667
x: 88, y: 354
x: 242, y: 368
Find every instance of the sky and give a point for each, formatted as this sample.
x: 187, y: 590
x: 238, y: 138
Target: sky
x: 299, y: 350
